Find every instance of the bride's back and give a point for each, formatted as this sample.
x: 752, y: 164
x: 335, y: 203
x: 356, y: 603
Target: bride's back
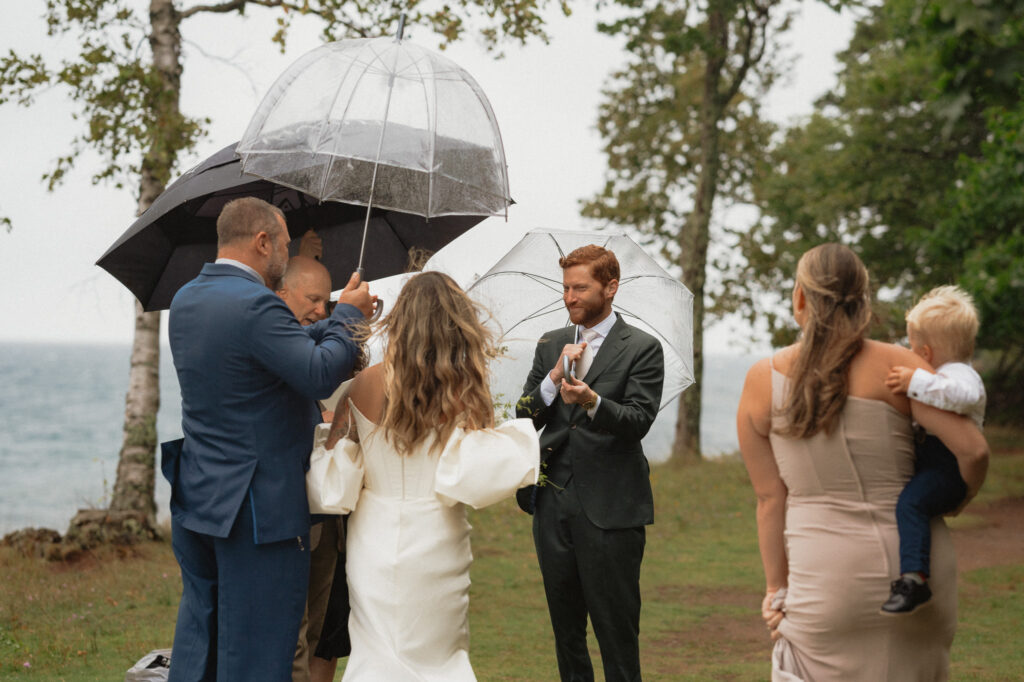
x: 388, y: 473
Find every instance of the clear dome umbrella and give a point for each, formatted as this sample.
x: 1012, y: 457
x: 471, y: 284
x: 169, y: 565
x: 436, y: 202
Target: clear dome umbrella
x: 383, y: 123
x: 523, y: 293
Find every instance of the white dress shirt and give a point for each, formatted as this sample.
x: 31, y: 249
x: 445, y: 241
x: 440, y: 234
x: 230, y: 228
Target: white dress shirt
x: 955, y: 387
x: 240, y: 264
x: 548, y: 390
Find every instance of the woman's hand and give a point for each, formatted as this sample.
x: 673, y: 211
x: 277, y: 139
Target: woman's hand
x: 772, y: 611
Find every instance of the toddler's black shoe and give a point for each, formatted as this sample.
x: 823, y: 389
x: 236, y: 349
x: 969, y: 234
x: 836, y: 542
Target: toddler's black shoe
x: 905, y: 595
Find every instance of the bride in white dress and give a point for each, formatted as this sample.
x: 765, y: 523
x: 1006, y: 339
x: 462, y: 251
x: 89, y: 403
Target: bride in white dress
x: 425, y: 424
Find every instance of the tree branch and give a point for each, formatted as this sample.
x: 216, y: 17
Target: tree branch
x: 239, y: 6
x: 221, y: 8
x: 753, y: 26
x: 227, y: 62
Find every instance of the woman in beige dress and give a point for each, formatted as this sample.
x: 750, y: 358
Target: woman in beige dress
x: 828, y: 449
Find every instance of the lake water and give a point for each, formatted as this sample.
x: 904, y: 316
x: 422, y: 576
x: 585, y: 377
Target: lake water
x: 62, y: 412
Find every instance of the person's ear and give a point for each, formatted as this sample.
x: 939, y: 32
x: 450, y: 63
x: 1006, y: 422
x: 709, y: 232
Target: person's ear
x: 927, y: 353
x: 799, y: 305
x: 611, y: 288
x: 264, y: 244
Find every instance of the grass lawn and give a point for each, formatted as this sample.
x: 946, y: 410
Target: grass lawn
x: 702, y: 585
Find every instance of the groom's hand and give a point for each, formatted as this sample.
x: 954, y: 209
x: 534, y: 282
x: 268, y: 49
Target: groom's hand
x: 575, y: 392
x: 573, y: 351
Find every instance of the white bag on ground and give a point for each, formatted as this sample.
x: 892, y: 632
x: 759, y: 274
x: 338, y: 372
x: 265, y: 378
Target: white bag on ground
x: 153, y: 667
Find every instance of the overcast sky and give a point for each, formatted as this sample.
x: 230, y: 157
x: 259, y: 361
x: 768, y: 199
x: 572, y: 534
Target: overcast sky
x: 545, y: 99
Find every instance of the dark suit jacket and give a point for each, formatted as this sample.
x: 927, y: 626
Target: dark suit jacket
x: 610, y: 470
x: 249, y: 376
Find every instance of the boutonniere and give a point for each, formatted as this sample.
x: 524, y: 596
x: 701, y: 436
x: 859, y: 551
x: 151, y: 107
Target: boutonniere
x: 543, y: 480
x: 525, y: 403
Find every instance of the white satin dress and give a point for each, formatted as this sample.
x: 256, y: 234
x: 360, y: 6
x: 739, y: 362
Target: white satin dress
x: 408, y: 551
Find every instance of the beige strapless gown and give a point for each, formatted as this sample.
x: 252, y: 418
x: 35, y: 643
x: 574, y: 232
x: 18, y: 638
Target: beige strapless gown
x: 843, y: 552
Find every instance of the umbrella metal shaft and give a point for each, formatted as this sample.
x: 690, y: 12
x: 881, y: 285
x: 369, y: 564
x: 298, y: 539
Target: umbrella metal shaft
x: 376, y: 162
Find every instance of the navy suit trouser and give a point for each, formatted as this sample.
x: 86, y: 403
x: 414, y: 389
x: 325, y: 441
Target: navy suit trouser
x: 241, y: 604
x: 936, y: 488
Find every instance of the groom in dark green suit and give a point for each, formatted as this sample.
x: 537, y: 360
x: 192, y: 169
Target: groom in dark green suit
x: 589, y: 517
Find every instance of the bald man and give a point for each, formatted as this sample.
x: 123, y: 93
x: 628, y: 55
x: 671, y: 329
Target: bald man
x: 305, y: 287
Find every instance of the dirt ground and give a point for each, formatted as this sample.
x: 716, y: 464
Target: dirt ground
x: 996, y: 542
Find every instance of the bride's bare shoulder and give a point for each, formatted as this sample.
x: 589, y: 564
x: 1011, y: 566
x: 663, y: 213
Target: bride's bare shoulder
x: 368, y: 391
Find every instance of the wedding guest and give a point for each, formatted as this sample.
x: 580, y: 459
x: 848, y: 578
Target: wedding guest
x: 249, y: 374
x: 589, y: 521
x: 941, y: 329
x: 828, y: 448
x: 425, y: 424
x: 305, y: 287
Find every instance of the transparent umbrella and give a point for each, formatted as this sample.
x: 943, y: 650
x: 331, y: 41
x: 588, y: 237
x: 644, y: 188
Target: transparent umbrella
x: 523, y: 292
x: 384, y: 123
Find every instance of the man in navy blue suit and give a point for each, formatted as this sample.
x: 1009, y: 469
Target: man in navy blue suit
x: 249, y: 377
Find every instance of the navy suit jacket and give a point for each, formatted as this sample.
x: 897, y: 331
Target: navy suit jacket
x: 250, y: 375
x: 609, y: 467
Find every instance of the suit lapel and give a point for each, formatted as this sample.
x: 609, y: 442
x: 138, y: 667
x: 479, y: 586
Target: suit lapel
x: 613, y: 344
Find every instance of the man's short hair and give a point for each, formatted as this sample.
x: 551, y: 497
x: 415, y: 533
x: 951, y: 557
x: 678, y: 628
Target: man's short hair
x: 246, y: 217
x: 946, y: 318
x: 604, y: 266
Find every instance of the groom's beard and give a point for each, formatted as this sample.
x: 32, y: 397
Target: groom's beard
x: 587, y: 313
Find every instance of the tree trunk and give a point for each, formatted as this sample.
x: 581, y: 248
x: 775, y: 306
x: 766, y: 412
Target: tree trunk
x: 134, y: 487
x: 695, y: 238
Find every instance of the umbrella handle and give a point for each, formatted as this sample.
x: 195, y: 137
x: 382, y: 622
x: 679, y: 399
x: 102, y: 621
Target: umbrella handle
x: 567, y: 369
x: 377, y: 310
x: 362, y: 278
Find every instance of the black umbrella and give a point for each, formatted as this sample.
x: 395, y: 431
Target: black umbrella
x: 167, y: 245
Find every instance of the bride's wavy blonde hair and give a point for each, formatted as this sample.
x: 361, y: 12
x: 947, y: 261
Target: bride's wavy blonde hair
x: 837, y: 291
x: 435, y: 364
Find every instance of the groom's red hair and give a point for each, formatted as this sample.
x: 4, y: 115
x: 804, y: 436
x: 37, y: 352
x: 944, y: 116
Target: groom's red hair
x: 604, y: 266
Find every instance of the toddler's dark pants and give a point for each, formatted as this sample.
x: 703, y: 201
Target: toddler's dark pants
x: 936, y: 488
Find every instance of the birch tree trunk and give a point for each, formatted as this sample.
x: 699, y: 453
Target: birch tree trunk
x: 136, y: 471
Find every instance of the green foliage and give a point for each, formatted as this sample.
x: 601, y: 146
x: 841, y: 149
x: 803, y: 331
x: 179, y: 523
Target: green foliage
x: 898, y: 161
x: 979, y: 53
x: 981, y: 239
x: 125, y: 104
x: 677, y: 88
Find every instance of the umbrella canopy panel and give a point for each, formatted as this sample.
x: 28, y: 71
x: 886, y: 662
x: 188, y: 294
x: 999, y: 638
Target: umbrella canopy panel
x: 355, y: 107
x: 523, y: 293
x: 167, y: 245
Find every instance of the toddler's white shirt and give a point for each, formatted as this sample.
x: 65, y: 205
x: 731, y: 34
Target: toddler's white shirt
x: 955, y: 387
